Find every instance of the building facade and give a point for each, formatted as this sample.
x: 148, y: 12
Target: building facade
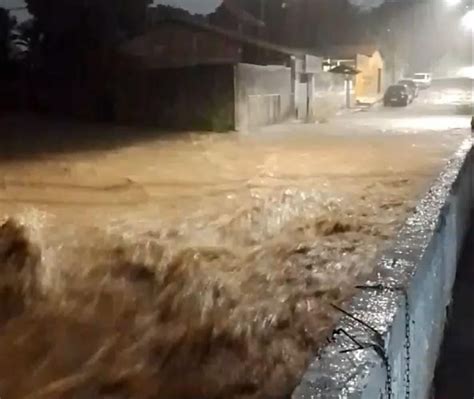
x: 189, y: 75
x: 370, y: 82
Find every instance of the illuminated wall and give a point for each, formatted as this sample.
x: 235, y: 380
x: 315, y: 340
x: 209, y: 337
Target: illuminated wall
x: 370, y: 82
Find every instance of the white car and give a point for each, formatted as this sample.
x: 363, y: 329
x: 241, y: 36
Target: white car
x: 422, y: 79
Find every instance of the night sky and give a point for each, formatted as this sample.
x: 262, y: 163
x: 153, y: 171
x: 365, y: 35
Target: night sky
x: 207, y: 6
x: 22, y: 14
x: 195, y: 6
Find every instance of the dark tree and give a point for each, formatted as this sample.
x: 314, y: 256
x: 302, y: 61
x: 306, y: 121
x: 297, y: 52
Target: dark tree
x: 28, y: 42
x: 55, y: 16
x: 71, y: 27
x: 7, y: 26
x: 77, y: 41
x: 163, y: 12
x: 308, y: 24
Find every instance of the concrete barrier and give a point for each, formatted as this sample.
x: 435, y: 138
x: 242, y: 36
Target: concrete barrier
x: 387, y: 344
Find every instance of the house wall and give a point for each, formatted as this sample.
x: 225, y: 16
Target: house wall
x: 368, y: 87
x: 191, y: 98
x: 263, y: 95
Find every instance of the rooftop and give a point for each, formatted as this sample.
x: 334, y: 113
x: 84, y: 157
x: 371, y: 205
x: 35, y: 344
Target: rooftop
x: 229, y: 34
x: 351, y: 51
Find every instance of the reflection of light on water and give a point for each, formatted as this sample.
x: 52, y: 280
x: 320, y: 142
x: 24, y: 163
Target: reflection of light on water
x: 434, y: 123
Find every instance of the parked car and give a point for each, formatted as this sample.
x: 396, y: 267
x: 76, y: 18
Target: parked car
x: 411, y: 93
x: 423, y: 79
x: 397, y: 95
x: 412, y: 86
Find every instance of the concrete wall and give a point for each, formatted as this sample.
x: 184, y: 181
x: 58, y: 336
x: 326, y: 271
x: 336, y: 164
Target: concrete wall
x: 263, y: 95
x: 401, y: 311
x: 193, y: 98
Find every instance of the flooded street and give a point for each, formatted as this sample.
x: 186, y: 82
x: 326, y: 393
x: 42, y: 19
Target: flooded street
x: 191, y: 176
x: 196, y: 195
x: 199, y: 266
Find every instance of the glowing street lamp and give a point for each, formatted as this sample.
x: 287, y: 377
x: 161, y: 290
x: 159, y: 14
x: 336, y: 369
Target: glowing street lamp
x: 452, y: 3
x: 467, y: 21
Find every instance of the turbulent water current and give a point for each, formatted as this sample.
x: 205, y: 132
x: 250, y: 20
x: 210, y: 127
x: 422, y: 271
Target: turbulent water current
x: 193, y: 267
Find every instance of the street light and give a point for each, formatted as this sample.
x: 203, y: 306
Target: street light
x: 467, y: 21
x: 452, y: 3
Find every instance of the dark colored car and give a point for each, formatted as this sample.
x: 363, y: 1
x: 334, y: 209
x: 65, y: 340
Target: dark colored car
x: 411, y: 85
x: 396, y: 95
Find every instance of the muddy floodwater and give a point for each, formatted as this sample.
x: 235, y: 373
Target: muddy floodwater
x: 192, y: 266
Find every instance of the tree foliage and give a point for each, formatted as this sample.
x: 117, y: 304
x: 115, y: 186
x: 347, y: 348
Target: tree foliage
x: 72, y: 26
x: 74, y: 31
x: 298, y: 23
x: 125, y: 17
x: 7, y: 36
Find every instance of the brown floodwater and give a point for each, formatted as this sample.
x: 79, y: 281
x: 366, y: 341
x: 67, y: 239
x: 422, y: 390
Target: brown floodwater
x: 193, y: 266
